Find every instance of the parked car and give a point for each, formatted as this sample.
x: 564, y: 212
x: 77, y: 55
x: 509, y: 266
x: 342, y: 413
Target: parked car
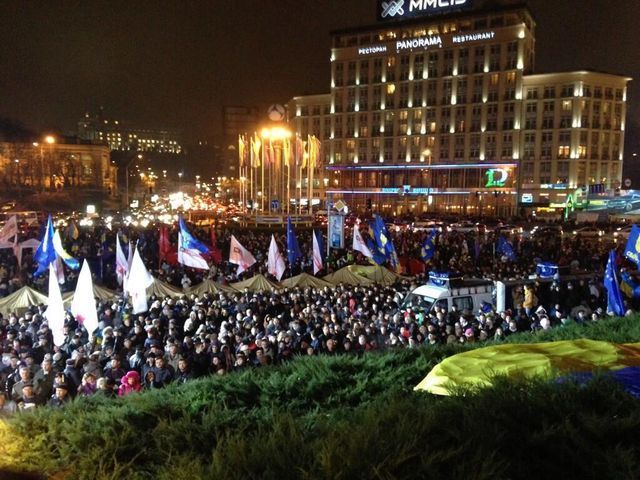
x: 463, y: 227
x: 508, y: 230
x: 588, y: 232
x: 622, y: 232
x: 546, y: 230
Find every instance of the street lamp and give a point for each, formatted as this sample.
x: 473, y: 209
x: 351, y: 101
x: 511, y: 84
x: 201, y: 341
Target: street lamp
x: 126, y: 172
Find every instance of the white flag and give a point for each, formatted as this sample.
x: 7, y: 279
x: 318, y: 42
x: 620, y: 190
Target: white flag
x: 190, y: 256
x: 83, y: 305
x: 10, y: 229
x: 55, y: 309
x: 125, y: 290
x: 358, y: 243
x: 317, y: 255
x: 122, y: 265
x: 240, y: 256
x: 275, y: 262
x: 138, y: 281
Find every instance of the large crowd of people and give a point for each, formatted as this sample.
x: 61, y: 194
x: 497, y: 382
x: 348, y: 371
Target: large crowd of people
x: 179, y: 339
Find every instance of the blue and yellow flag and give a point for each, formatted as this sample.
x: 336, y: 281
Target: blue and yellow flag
x: 481, y: 366
x: 428, y: 249
x: 632, y: 250
x: 45, y: 254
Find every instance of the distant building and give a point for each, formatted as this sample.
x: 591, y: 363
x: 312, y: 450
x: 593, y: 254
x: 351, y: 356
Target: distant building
x: 58, y: 166
x: 121, y: 137
x: 440, y: 110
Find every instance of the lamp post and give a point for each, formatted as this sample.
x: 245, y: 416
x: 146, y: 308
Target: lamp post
x: 126, y: 172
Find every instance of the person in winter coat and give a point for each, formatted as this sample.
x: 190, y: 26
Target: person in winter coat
x: 130, y: 383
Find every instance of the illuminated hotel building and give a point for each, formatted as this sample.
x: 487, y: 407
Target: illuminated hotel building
x: 444, y: 114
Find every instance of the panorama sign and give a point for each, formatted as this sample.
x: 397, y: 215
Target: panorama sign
x: 402, y: 9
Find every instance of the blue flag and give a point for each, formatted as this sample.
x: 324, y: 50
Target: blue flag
x: 189, y: 241
x: 384, y: 243
x: 632, y: 250
x: 506, y: 249
x: 45, y: 254
x: 377, y: 257
x: 546, y: 269
x: 615, y: 304
x: 428, y: 247
x: 293, y: 249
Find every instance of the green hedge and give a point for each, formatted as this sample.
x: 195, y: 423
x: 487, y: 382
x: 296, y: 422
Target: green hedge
x: 342, y: 417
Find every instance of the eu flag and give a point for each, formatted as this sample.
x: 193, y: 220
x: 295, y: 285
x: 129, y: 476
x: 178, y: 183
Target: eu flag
x: 377, y: 257
x: 506, y: 249
x: 45, y: 254
x: 293, y: 249
x: 546, y: 269
x: 632, y: 250
x: 615, y: 304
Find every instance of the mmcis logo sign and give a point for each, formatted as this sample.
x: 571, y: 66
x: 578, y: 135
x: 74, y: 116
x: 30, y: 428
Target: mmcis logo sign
x: 388, y: 9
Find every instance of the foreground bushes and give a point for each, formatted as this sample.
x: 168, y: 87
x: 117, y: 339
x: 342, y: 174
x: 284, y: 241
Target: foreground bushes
x: 342, y: 417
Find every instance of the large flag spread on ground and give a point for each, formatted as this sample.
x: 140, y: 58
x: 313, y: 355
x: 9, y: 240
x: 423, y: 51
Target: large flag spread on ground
x: 45, y: 254
x: 9, y: 229
x: 428, y: 249
x: 164, y: 245
x: 55, y: 309
x: 137, y: 283
x: 615, y: 304
x: 275, y: 262
x: 632, y: 250
x: 190, y: 257
x: 293, y: 249
x: 238, y: 255
x: 122, y: 265
x: 358, y: 243
x: 317, y: 252
x: 83, y: 306
x: 483, y: 367
x: 505, y: 249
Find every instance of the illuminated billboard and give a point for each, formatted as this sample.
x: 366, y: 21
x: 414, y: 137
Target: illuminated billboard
x: 403, y: 9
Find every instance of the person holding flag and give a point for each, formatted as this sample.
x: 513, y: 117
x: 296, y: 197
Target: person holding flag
x: 190, y: 249
x: 615, y: 303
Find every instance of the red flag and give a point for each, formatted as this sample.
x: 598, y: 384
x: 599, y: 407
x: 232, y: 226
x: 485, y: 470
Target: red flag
x: 164, y: 246
x: 216, y: 253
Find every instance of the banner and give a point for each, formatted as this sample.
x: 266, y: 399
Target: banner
x: 336, y: 231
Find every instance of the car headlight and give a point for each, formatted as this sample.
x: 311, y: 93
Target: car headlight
x: 575, y: 232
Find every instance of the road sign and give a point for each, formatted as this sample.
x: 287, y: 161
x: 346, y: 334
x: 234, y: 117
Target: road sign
x: 339, y: 205
x: 275, y: 204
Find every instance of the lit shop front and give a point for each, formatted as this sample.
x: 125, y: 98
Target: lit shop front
x: 470, y: 189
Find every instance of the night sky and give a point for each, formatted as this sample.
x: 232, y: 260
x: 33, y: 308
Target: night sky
x: 174, y: 64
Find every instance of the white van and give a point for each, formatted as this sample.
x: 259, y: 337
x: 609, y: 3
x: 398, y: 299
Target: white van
x: 445, y: 291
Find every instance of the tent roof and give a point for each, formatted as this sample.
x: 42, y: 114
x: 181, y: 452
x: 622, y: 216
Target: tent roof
x: 377, y: 274
x: 162, y: 289
x: 101, y: 293
x: 305, y: 280
x: 21, y: 300
x: 346, y: 276
x: 209, y: 286
x: 257, y: 283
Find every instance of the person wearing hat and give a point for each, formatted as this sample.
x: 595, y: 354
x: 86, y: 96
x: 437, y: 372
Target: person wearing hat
x: 44, y: 378
x: 93, y: 365
x: 28, y: 399
x: 60, y: 396
x: 25, y: 376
